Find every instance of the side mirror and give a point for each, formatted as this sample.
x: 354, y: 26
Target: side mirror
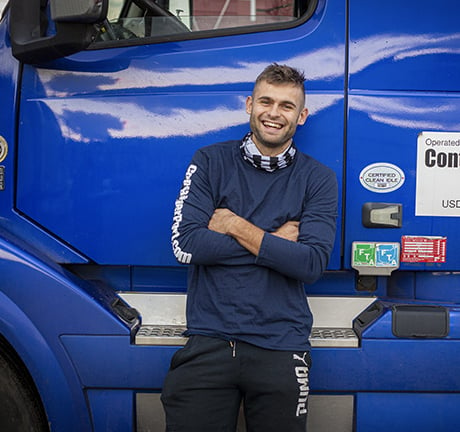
x: 78, y: 11
x: 35, y: 38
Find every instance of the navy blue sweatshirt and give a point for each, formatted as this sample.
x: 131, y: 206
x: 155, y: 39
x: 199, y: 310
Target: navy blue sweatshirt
x: 233, y: 294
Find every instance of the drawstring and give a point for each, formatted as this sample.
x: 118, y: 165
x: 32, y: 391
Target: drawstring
x: 233, y: 347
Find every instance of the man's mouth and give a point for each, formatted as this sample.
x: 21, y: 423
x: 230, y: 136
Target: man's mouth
x: 272, y: 124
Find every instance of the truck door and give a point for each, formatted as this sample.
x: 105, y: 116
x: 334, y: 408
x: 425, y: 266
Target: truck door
x: 110, y: 130
x: 403, y: 133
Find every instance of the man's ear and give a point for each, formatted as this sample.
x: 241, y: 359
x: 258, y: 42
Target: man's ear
x: 302, y: 117
x: 249, y: 104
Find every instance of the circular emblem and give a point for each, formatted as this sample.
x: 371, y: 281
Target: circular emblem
x: 382, y: 177
x: 3, y: 149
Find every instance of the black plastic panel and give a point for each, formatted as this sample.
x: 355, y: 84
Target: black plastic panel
x: 420, y: 321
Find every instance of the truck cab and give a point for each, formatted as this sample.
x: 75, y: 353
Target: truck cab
x: 103, y: 104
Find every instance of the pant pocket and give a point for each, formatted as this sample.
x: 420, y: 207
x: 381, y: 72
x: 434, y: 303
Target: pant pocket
x: 181, y: 355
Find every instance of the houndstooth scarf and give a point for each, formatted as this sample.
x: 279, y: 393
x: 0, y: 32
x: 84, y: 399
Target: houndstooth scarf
x: 251, y: 153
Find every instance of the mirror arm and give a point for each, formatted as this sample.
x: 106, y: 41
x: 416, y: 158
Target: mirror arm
x: 30, y: 43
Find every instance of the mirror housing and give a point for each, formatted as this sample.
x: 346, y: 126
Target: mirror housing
x: 79, y: 11
x: 37, y: 39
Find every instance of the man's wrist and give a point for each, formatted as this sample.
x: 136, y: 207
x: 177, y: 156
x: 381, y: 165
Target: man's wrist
x: 246, y: 234
x: 235, y: 224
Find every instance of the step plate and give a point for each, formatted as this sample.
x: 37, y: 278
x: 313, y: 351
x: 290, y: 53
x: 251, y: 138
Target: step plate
x: 160, y: 335
x: 333, y: 337
x: 173, y: 335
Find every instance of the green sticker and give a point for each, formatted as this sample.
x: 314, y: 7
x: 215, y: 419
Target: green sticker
x: 364, y: 254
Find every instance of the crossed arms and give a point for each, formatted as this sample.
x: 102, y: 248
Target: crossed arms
x: 204, y: 235
x: 249, y: 236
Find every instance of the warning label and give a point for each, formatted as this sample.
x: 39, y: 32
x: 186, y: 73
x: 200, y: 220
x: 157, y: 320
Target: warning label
x: 438, y: 174
x: 423, y: 249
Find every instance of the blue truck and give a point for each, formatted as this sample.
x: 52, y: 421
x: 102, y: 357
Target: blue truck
x: 102, y: 105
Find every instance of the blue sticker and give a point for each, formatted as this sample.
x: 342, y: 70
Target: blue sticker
x: 387, y: 255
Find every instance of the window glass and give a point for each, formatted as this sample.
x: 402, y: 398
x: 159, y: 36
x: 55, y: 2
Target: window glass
x: 134, y: 19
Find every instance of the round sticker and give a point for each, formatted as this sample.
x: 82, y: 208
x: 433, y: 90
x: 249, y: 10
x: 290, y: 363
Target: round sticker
x: 382, y: 177
x: 3, y: 149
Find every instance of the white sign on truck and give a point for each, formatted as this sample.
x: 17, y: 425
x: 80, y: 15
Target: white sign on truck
x: 438, y: 174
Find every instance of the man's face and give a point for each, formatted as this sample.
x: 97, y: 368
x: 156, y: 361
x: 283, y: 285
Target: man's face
x: 275, y: 112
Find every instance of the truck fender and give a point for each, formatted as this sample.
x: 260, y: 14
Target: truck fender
x: 39, y: 303
x: 55, y: 378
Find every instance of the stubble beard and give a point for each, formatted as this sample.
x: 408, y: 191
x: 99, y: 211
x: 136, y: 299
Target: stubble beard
x: 280, y: 142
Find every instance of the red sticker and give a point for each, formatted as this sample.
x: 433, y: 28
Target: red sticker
x: 423, y: 249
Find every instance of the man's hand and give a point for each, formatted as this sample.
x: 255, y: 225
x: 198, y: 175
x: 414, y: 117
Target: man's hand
x: 288, y: 231
x: 222, y: 220
x: 249, y: 236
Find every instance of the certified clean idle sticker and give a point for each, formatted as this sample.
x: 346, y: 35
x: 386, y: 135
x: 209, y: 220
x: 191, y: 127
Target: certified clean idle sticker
x: 438, y: 174
x: 382, y: 177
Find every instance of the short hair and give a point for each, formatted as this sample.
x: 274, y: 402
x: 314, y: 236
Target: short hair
x: 282, y: 74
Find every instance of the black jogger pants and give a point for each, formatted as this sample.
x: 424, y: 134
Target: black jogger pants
x: 210, y: 377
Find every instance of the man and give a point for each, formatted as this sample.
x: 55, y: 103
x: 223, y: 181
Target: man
x: 255, y: 218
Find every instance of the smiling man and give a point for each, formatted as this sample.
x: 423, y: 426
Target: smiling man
x: 275, y: 112
x: 255, y: 219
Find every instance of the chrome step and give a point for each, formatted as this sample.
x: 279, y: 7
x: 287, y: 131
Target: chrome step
x: 173, y: 335
x: 160, y: 335
x: 163, y: 319
x: 333, y: 337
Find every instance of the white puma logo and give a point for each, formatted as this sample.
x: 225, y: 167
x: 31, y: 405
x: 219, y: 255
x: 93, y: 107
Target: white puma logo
x: 302, y: 359
x: 301, y: 373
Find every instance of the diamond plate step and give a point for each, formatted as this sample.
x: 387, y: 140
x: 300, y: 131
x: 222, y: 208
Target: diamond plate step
x: 172, y: 335
x: 333, y: 337
x: 163, y: 318
x: 160, y: 335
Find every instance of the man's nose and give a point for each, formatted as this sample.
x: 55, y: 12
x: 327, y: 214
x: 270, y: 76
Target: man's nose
x: 274, y: 110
